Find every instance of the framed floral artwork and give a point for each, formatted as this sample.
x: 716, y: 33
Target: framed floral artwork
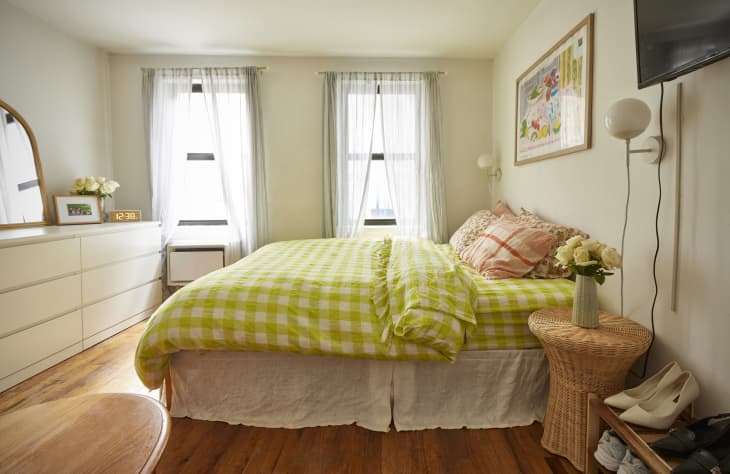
x: 77, y: 209
x: 553, y: 106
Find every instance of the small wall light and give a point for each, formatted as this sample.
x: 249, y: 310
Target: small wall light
x: 487, y: 161
x: 627, y: 119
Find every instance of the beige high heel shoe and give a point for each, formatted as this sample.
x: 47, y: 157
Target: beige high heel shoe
x: 660, y: 411
x: 633, y: 396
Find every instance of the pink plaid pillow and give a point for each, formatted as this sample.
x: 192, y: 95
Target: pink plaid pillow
x: 470, y: 230
x: 549, y: 267
x: 507, y: 250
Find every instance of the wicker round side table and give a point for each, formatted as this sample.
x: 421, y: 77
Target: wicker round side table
x: 582, y: 361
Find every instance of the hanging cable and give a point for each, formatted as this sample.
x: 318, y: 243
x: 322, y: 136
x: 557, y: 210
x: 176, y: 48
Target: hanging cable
x: 626, y: 220
x: 656, y: 230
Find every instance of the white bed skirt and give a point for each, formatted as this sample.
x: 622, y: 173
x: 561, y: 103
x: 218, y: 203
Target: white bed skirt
x: 483, y: 389
x: 281, y: 390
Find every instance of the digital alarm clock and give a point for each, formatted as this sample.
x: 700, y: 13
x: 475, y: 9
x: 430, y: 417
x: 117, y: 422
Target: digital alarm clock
x: 125, y: 216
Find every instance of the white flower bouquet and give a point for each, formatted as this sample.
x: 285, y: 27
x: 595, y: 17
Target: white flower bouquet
x: 90, y: 185
x: 589, y: 257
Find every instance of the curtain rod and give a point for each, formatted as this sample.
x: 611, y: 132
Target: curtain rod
x: 258, y: 68
x: 440, y: 73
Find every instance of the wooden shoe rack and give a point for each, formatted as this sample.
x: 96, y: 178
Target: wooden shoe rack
x: 635, y: 437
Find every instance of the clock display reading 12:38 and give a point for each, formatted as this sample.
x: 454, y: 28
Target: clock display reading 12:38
x: 125, y: 216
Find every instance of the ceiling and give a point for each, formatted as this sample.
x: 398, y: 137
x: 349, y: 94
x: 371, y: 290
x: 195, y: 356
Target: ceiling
x: 375, y: 28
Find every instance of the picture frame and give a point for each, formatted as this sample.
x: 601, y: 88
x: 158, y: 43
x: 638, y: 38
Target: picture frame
x: 554, y: 99
x: 77, y: 209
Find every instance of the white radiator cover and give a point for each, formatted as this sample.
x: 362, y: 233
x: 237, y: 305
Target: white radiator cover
x: 190, y: 262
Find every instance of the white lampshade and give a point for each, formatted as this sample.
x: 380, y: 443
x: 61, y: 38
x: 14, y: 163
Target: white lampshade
x: 627, y: 118
x: 486, y: 160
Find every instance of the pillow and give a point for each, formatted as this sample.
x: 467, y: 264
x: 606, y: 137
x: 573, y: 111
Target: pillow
x: 470, y: 230
x: 502, y: 209
x: 549, y: 267
x: 507, y: 249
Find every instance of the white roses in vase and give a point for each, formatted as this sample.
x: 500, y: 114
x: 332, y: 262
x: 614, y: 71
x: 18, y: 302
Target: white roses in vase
x: 90, y: 185
x: 589, y: 257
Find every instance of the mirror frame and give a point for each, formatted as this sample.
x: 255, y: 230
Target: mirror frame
x: 39, y: 172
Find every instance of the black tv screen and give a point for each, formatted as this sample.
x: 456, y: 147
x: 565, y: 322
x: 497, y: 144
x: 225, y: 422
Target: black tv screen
x: 674, y: 37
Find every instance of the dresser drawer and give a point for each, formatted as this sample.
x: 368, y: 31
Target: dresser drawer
x: 99, y: 250
x: 30, y: 346
x: 27, y: 264
x: 26, y: 307
x: 116, y: 278
x: 107, y: 313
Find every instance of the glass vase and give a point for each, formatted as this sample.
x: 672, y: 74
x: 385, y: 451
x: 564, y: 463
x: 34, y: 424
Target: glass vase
x: 104, y: 215
x: 585, y: 302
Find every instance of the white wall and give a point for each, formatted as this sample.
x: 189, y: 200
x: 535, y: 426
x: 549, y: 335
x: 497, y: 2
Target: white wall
x: 59, y: 85
x: 292, y: 108
x: 587, y: 189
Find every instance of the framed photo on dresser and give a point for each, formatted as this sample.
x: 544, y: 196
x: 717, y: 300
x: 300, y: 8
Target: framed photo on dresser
x: 77, y: 209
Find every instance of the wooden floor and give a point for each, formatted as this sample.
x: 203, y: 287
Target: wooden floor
x: 202, y: 446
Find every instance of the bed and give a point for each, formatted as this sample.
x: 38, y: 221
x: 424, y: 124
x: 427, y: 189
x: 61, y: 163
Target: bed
x: 339, y: 331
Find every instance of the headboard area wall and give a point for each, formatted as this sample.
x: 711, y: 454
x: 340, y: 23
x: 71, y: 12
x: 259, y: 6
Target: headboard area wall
x: 587, y: 189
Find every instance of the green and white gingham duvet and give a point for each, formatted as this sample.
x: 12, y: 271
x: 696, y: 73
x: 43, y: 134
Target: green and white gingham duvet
x: 400, y: 299
x: 316, y: 297
x: 424, y: 295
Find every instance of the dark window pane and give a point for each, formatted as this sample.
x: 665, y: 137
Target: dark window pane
x: 201, y: 157
x: 202, y: 222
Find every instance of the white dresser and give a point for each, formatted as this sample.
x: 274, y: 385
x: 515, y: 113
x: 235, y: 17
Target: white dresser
x: 65, y: 288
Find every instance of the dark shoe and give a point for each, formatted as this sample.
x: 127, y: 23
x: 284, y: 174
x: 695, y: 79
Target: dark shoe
x: 714, y: 459
x: 698, y: 435
x: 701, y: 462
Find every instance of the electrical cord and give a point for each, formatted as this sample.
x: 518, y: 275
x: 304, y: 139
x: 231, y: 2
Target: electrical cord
x: 626, y: 220
x: 656, y: 230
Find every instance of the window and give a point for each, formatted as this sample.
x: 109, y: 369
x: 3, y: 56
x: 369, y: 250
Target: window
x: 379, y: 205
x: 202, y: 202
x: 394, y: 115
x: 223, y: 123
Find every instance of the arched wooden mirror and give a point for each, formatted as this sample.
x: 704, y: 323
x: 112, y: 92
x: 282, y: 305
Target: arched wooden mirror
x: 22, y: 191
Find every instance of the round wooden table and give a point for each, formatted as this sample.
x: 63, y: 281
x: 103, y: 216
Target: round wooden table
x: 111, y: 432
x: 582, y: 361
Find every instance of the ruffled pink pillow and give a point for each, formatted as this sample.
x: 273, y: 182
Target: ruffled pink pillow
x: 502, y: 209
x: 470, y: 230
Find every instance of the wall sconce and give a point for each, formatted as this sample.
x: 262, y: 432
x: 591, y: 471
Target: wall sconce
x: 627, y: 119
x: 488, y: 162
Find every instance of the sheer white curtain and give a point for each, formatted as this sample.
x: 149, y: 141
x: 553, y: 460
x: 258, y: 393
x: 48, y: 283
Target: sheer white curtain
x: 411, y: 110
x: 166, y: 98
x: 411, y: 118
x: 348, y: 121
x: 233, y: 102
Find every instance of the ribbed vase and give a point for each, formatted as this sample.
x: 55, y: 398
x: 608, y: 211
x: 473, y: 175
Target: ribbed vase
x: 585, y: 302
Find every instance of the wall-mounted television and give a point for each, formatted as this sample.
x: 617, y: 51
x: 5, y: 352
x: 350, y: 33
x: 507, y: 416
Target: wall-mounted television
x: 674, y: 37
